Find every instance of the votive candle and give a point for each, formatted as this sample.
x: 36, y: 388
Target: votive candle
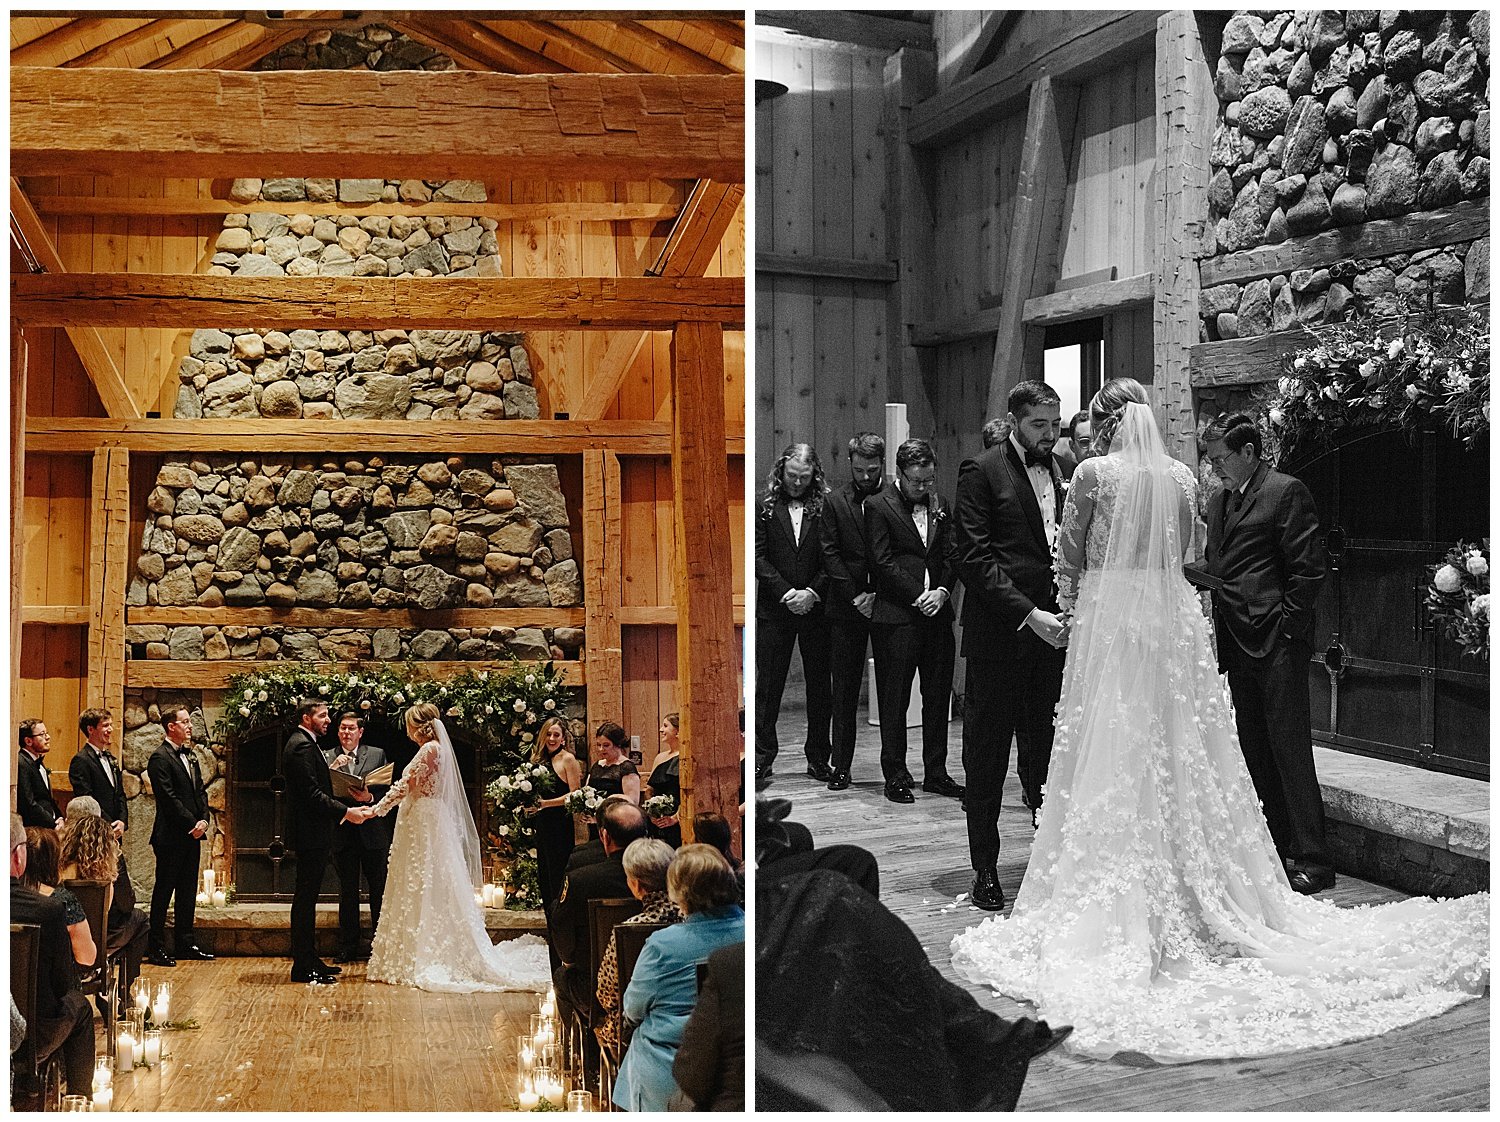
x: 527, y: 1095
x: 124, y: 1051
x: 153, y: 1047
x: 104, y: 1100
x: 219, y: 898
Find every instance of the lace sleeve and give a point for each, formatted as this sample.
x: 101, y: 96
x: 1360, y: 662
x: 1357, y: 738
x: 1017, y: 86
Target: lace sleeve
x: 1190, y: 516
x: 417, y: 778
x: 1068, y: 554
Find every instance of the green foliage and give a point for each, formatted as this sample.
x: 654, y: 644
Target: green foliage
x: 1458, y: 597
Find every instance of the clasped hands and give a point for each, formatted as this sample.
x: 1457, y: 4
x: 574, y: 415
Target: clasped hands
x: 1052, y: 629
x: 800, y: 601
x: 358, y: 815
x: 931, y: 602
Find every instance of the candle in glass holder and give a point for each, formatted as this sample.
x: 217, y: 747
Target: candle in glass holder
x: 525, y: 1056
x: 104, y: 1099
x: 580, y: 1101
x: 499, y: 895
x: 219, y: 898
x: 138, y: 1048
x: 104, y: 1075
x: 554, y: 1091
x: 203, y: 899
x: 140, y: 993
x: 208, y: 881
x: 163, y: 1003
x: 527, y: 1095
x: 152, y: 1051
x: 124, y: 1050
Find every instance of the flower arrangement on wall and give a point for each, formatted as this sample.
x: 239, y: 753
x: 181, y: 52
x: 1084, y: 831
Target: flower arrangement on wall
x: 1458, y: 597
x: 1355, y: 375
x: 501, y: 709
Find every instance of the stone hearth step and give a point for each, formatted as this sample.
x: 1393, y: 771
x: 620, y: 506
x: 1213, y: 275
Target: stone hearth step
x: 265, y: 929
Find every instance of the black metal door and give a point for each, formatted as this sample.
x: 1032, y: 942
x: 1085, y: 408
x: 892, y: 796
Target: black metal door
x: 1384, y: 683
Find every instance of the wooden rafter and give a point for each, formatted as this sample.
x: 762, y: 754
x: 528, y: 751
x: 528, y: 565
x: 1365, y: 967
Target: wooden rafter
x: 727, y: 31
x: 109, y: 559
x: 219, y: 124
x: 248, y: 56
x: 689, y: 60
x: 113, y: 52
x: 483, y: 47
x: 447, y: 303
x: 434, y: 38
x: 208, y: 51
x: 116, y: 205
x: 97, y: 360
x: 60, y: 43
x: 993, y: 29
x: 689, y: 248
x: 570, y: 49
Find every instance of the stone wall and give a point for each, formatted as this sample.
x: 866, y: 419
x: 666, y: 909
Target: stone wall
x: 374, y: 47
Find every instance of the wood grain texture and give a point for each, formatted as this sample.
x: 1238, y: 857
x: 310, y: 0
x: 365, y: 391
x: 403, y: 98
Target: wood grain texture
x: 1437, y: 1064
x: 109, y: 560
x: 177, y: 206
x: 1089, y: 301
x: 863, y: 28
x: 358, y: 123
x: 457, y: 303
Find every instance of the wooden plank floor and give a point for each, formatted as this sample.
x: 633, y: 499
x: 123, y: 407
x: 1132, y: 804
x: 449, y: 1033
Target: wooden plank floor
x: 267, y: 1044
x: 1439, y: 1064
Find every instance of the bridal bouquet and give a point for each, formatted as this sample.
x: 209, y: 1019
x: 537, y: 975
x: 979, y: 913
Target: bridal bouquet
x: 585, y: 800
x: 660, y: 806
x: 1459, y: 597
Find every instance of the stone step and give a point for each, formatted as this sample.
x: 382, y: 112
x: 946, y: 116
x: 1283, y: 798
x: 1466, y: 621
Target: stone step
x: 1421, y: 831
x: 265, y: 928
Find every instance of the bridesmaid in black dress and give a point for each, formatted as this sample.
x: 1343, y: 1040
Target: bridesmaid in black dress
x: 665, y: 779
x: 613, y: 773
x: 554, y: 825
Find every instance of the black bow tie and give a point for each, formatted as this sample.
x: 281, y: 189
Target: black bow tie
x: 912, y: 504
x: 1035, y: 458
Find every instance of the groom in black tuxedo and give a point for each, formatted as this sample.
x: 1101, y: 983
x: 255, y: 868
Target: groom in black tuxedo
x: 910, y: 536
x: 312, y: 815
x: 177, y: 840
x: 1008, y: 508
x: 1263, y: 543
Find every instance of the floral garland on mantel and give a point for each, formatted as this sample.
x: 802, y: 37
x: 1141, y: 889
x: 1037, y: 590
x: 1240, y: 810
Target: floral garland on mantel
x: 503, y: 709
x: 1438, y: 368
x: 1458, y: 597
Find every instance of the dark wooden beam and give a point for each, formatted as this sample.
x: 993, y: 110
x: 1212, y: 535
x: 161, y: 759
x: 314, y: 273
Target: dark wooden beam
x: 447, y: 303
x: 456, y: 125
x: 1089, y: 301
x: 858, y: 28
x: 992, y: 30
x: 787, y: 265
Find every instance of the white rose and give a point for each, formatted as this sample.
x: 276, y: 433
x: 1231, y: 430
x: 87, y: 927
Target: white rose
x: 526, y: 738
x: 323, y: 689
x: 532, y: 852
x: 1277, y: 416
x: 489, y: 710
x: 1412, y: 392
x: 1481, y: 606
x: 530, y: 679
x: 1476, y: 564
x: 261, y: 696
x: 549, y: 704
x: 1447, y: 579
x: 244, y: 711
x: 1300, y: 364
x: 1396, y: 347
x: 1331, y: 393
x: 519, y: 706
x: 530, y: 717
x: 504, y: 831
x: 526, y: 785
x: 399, y: 699
x: 364, y: 704
x: 1367, y: 369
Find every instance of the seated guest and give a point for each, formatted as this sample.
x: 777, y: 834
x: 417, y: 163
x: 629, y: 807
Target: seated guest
x: 646, y: 864
x: 783, y: 847
x: 90, y: 851
x: 712, y: 829
x: 664, y: 987
x: 924, y: 1044
x: 710, y: 1066
x: 61, y: 1011
x: 612, y: 772
x: 42, y: 850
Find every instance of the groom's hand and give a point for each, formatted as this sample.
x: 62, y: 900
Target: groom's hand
x: 1051, y: 629
x: 356, y: 815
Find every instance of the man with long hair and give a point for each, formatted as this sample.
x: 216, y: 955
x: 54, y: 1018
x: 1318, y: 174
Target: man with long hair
x: 791, y: 585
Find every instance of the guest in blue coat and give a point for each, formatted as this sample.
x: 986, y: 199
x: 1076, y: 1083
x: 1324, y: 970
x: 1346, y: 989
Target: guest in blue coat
x: 664, y: 987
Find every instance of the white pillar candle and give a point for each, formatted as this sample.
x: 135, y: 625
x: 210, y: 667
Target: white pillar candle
x: 163, y: 1003
x: 554, y: 1092
x: 124, y: 1051
x: 499, y: 895
x: 104, y: 1099
x: 138, y: 1050
x: 219, y: 898
x: 528, y: 1095
x: 152, y: 1050
x: 203, y: 899
x: 208, y: 881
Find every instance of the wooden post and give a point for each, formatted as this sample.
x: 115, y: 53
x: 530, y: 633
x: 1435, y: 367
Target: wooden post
x: 703, y: 577
x: 109, y: 559
x: 601, y: 583
x: 1185, y: 120
x: 1036, y: 229
x: 17, y: 516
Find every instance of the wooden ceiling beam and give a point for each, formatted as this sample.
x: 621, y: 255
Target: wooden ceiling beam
x: 113, y: 52
x: 727, y: 31
x: 97, y: 360
x: 63, y: 42
x: 465, y: 125
x: 248, y: 56
x: 690, y: 60
x: 858, y: 28
x: 480, y: 42
x: 568, y: 48
x: 118, y: 205
x: 445, y: 303
x: 209, y: 50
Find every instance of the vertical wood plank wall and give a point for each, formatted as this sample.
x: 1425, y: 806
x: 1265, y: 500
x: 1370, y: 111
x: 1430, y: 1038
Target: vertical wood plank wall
x: 56, y: 542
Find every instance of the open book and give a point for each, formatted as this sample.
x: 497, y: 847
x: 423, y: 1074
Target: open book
x: 344, y: 783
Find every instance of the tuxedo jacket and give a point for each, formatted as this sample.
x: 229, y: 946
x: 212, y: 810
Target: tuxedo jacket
x: 898, y: 558
x: 34, y: 801
x: 1002, y: 553
x: 1269, y: 554
x: 569, y: 930
x: 376, y: 833
x: 312, y: 811
x: 87, y: 775
x: 180, y: 801
x: 845, y: 552
x: 782, y: 563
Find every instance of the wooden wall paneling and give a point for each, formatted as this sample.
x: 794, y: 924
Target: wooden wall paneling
x: 954, y: 32
x: 19, y: 357
x: 765, y: 163
x: 833, y: 371
x: 1122, y: 197
x: 872, y: 359
x: 792, y: 153
x: 1185, y: 108
x: 869, y: 180
x: 793, y: 353
x: 602, y: 564
x: 1143, y: 190
x: 1087, y: 242
x: 27, y: 29
x: 766, y: 391
x: 564, y: 348
x: 832, y: 162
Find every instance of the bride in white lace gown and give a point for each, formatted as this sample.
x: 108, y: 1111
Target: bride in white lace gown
x: 1155, y: 915
x: 431, y: 932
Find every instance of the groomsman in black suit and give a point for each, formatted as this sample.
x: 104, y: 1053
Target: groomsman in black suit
x: 34, y: 800
x: 1263, y: 543
x: 94, y: 771
x: 910, y: 535
x: 177, y: 839
x: 790, y: 586
x: 364, y: 848
x: 1008, y: 508
x: 851, y: 593
x: 312, y: 815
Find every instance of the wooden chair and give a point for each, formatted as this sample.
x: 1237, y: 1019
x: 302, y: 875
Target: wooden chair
x: 629, y: 939
x: 604, y: 914
x: 36, y: 1067
x: 105, y: 978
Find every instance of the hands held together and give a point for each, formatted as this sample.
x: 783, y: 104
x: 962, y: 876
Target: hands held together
x: 357, y: 815
x: 1052, y: 629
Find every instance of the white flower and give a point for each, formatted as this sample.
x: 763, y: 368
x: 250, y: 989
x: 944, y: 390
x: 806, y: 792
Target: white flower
x: 323, y: 689
x: 530, y: 679
x: 1413, y: 392
x: 364, y: 704
x: 530, y: 717
x: 489, y: 710
x: 1458, y: 383
x: 526, y: 738
x: 353, y: 681
x: 1396, y: 347
x: 1331, y: 393
x: 1447, y: 579
x: 532, y: 852
x: 1300, y: 364
x: 1277, y: 416
x: 503, y: 831
x: 1367, y: 369
x: 549, y: 704
x: 399, y: 700
x: 442, y: 689
x: 1476, y: 564
x: 1481, y: 605
x: 261, y: 696
x: 244, y: 711
x: 1286, y: 386
x: 519, y: 706
x: 525, y: 785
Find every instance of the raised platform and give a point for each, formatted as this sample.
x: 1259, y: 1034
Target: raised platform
x: 265, y: 929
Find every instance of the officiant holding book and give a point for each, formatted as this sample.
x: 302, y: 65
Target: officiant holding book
x: 361, y: 849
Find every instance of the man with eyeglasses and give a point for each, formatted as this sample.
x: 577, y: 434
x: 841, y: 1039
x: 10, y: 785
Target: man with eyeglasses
x: 34, y: 799
x: 910, y: 536
x: 177, y: 839
x: 1263, y: 543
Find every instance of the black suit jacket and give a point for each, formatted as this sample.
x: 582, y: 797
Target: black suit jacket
x: 86, y: 774
x: 312, y: 811
x: 710, y: 1063
x: 1003, y: 556
x: 376, y: 833
x: 898, y: 558
x: 57, y: 977
x: 782, y: 564
x: 180, y: 802
x: 602, y: 880
x: 845, y: 552
x: 34, y: 802
x: 1269, y: 554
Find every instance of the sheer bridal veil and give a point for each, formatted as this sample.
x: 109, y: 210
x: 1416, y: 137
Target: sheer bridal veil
x: 448, y: 790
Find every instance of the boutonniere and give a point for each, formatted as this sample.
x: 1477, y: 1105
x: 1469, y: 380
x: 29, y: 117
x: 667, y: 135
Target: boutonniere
x: 938, y: 513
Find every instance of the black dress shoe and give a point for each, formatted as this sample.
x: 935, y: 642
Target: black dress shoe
x: 819, y: 772
x: 158, y: 958
x: 325, y: 968
x: 905, y: 778
x: 987, y: 893
x: 943, y: 785
x: 314, y: 978
x: 1308, y: 883
x: 196, y: 954
x: 899, y: 793
x: 839, y: 781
